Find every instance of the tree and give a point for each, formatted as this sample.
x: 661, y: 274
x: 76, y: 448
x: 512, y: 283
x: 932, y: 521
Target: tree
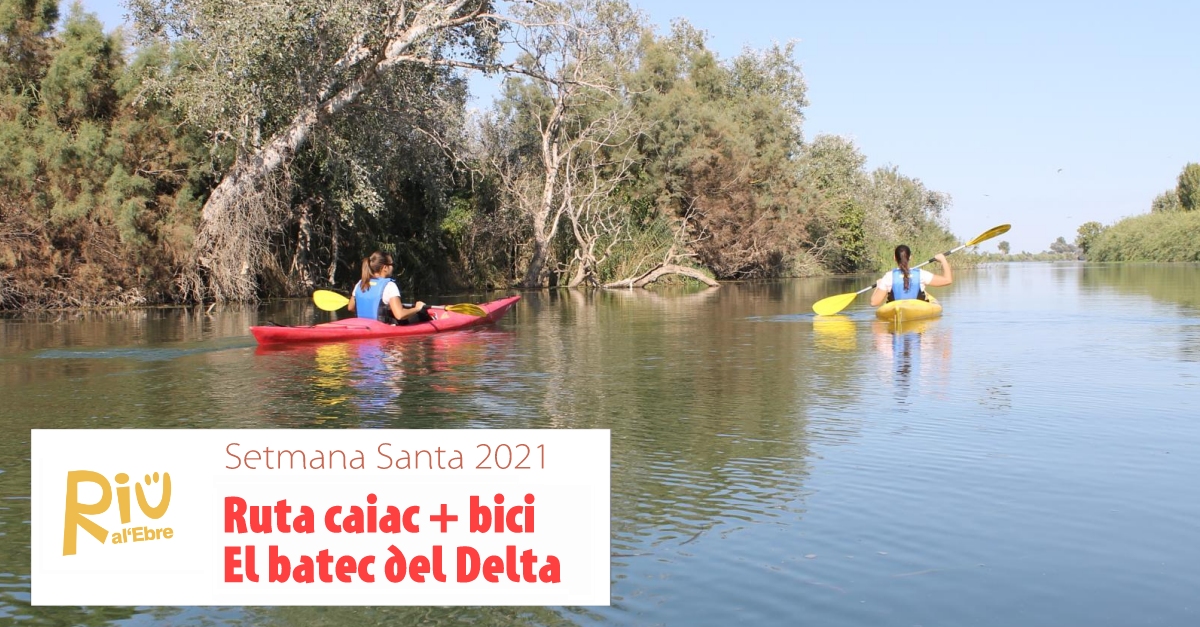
x: 1188, y: 188
x: 1166, y: 202
x: 265, y: 76
x: 832, y: 167
x: 1061, y: 246
x: 1003, y: 246
x: 561, y: 141
x: 1089, y: 232
x: 901, y: 209
x: 97, y: 178
x: 24, y: 42
x: 720, y: 152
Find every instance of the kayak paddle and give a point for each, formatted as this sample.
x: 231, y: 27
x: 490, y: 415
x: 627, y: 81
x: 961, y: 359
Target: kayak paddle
x: 326, y: 300
x: 833, y: 304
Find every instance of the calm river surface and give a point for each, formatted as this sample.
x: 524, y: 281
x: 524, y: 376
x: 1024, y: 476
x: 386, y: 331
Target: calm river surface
x: 1031, y: 458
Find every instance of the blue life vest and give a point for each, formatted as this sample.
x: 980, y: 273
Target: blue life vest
x: 914, y: 285
x: 369, y: 303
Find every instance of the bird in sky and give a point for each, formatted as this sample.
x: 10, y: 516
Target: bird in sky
x: 1060, y: 169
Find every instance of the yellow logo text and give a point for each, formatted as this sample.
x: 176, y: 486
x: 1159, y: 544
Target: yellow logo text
x: 77, y: 513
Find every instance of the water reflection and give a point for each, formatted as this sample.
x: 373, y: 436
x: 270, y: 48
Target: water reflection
x: 707, y: 411
x: 1171, y: 283
x: 1174, y: 284
x: 332, y: 368
x: 765, y: 464
x: 835, y: 333
x: 916, y: 351
x: 375, y: 381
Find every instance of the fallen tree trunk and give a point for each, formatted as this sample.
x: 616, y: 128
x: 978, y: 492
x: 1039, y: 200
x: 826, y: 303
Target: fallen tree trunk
x: 661, y: 271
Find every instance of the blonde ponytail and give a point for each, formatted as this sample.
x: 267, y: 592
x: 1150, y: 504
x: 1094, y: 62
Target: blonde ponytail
x: 366, y: 275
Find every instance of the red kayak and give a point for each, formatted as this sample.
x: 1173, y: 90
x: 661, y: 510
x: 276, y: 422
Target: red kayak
x: 359, y: 328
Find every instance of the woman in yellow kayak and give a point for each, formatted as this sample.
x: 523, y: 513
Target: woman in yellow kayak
x: 378, y: 297
x: 902, y: 283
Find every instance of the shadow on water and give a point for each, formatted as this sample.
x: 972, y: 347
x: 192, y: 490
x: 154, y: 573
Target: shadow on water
x: 138, y: 354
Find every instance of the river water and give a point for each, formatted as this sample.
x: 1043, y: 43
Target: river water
x: 1031, y: 458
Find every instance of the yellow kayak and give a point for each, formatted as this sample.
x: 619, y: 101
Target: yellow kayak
x: 909, y: 309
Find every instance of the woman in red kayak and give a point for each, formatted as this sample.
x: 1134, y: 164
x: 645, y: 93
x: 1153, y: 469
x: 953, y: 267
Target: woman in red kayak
x: 902, y: 283
x: 378, y: 297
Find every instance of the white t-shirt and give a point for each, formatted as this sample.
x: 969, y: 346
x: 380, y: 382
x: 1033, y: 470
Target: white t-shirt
x: 390, y: 291
x: 924, y: 276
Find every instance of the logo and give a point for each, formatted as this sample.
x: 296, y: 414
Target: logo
x: 77, y: 513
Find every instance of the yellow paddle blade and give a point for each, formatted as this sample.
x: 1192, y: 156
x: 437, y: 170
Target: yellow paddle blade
x: 999, y: 230
x: 467, y: 309
x: 326, y: 300
x: 834, y: 304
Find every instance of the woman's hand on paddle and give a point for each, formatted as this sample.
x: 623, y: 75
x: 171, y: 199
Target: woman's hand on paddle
x: 947, y: 275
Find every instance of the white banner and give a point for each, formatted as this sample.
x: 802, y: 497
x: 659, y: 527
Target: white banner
x: 320, y: 517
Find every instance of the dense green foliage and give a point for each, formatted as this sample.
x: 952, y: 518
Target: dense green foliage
x: 1166, y: 202
x: 718, y: 175
x: 613, y: 149
x: 1089, y: 232
x: 1151, y: 237
x: 1188, y: 188
x: 98, y: 184
x: 720, y: 151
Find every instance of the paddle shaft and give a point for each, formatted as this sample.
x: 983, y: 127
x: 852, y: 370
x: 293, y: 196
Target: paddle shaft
x: 933, y: 259
x: 327, y: 300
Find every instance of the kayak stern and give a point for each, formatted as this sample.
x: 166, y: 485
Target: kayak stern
x: 909, y: 309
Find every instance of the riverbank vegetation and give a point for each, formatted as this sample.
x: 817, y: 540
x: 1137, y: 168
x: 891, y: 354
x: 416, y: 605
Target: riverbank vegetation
x: 988, y: 257
x: 1168, y: 233
x: 236, y: 151
x: 1150, y: 237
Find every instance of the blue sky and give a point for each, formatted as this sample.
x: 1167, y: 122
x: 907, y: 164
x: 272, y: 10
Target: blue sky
x: 985, y: 102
